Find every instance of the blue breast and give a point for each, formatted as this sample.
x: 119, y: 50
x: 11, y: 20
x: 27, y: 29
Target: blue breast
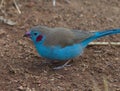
x: 58, y: 53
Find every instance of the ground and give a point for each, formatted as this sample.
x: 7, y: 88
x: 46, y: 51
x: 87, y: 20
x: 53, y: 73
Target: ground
x: 98, y: 68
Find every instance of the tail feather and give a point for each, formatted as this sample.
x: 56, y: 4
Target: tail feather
x: 106, y: 32
x: 99, y: 34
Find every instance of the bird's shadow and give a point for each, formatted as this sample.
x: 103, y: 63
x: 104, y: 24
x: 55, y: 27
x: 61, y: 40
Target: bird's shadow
x: 38, y: 66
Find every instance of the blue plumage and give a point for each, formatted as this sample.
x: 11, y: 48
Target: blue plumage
x: 99, y: 34
x: 63, y: 44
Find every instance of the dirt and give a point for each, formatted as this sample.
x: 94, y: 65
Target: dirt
x: 98, y: 68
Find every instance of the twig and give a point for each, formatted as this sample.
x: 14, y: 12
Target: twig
x: 105, y: 43
x: 105, y: 84
x: 17, y: 7
x: 54, y: 2
x: 7, y: 21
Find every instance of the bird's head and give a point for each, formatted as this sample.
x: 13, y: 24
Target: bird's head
x: 35, y: 35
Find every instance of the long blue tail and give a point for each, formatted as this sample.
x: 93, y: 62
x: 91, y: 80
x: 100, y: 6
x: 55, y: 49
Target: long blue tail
x: 99, y: 34
x: 106, y: 32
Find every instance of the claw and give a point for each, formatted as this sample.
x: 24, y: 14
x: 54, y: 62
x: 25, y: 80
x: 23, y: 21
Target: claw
x: 62, y: 66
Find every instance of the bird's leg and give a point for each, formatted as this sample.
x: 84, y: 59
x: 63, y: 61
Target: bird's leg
x: 62, y: 66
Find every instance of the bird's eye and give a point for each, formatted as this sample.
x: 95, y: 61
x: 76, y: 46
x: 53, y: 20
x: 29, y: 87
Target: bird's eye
x: 35, y: 33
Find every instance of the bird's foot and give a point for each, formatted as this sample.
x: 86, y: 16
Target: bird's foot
x: 62, y: 66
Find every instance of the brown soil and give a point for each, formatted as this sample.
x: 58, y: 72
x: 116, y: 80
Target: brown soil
x: 98, y: 67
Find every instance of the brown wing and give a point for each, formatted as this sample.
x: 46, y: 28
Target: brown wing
x: 81, y: 35
x: 65, y: 37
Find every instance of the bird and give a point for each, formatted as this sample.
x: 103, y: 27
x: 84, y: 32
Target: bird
x: 63, y: 44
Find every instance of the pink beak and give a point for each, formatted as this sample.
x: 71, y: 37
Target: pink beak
x: 27, y: 34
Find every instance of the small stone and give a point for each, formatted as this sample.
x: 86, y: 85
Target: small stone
x: 2, y: 32
x: 21, y: 88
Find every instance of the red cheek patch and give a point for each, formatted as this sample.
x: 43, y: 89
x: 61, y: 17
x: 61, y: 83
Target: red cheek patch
x: 39, y: 38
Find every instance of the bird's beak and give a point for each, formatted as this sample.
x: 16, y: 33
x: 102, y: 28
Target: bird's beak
x: 27, y: 34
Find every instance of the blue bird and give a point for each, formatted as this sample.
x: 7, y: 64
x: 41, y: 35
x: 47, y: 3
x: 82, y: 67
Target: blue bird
x: 63, y: 44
